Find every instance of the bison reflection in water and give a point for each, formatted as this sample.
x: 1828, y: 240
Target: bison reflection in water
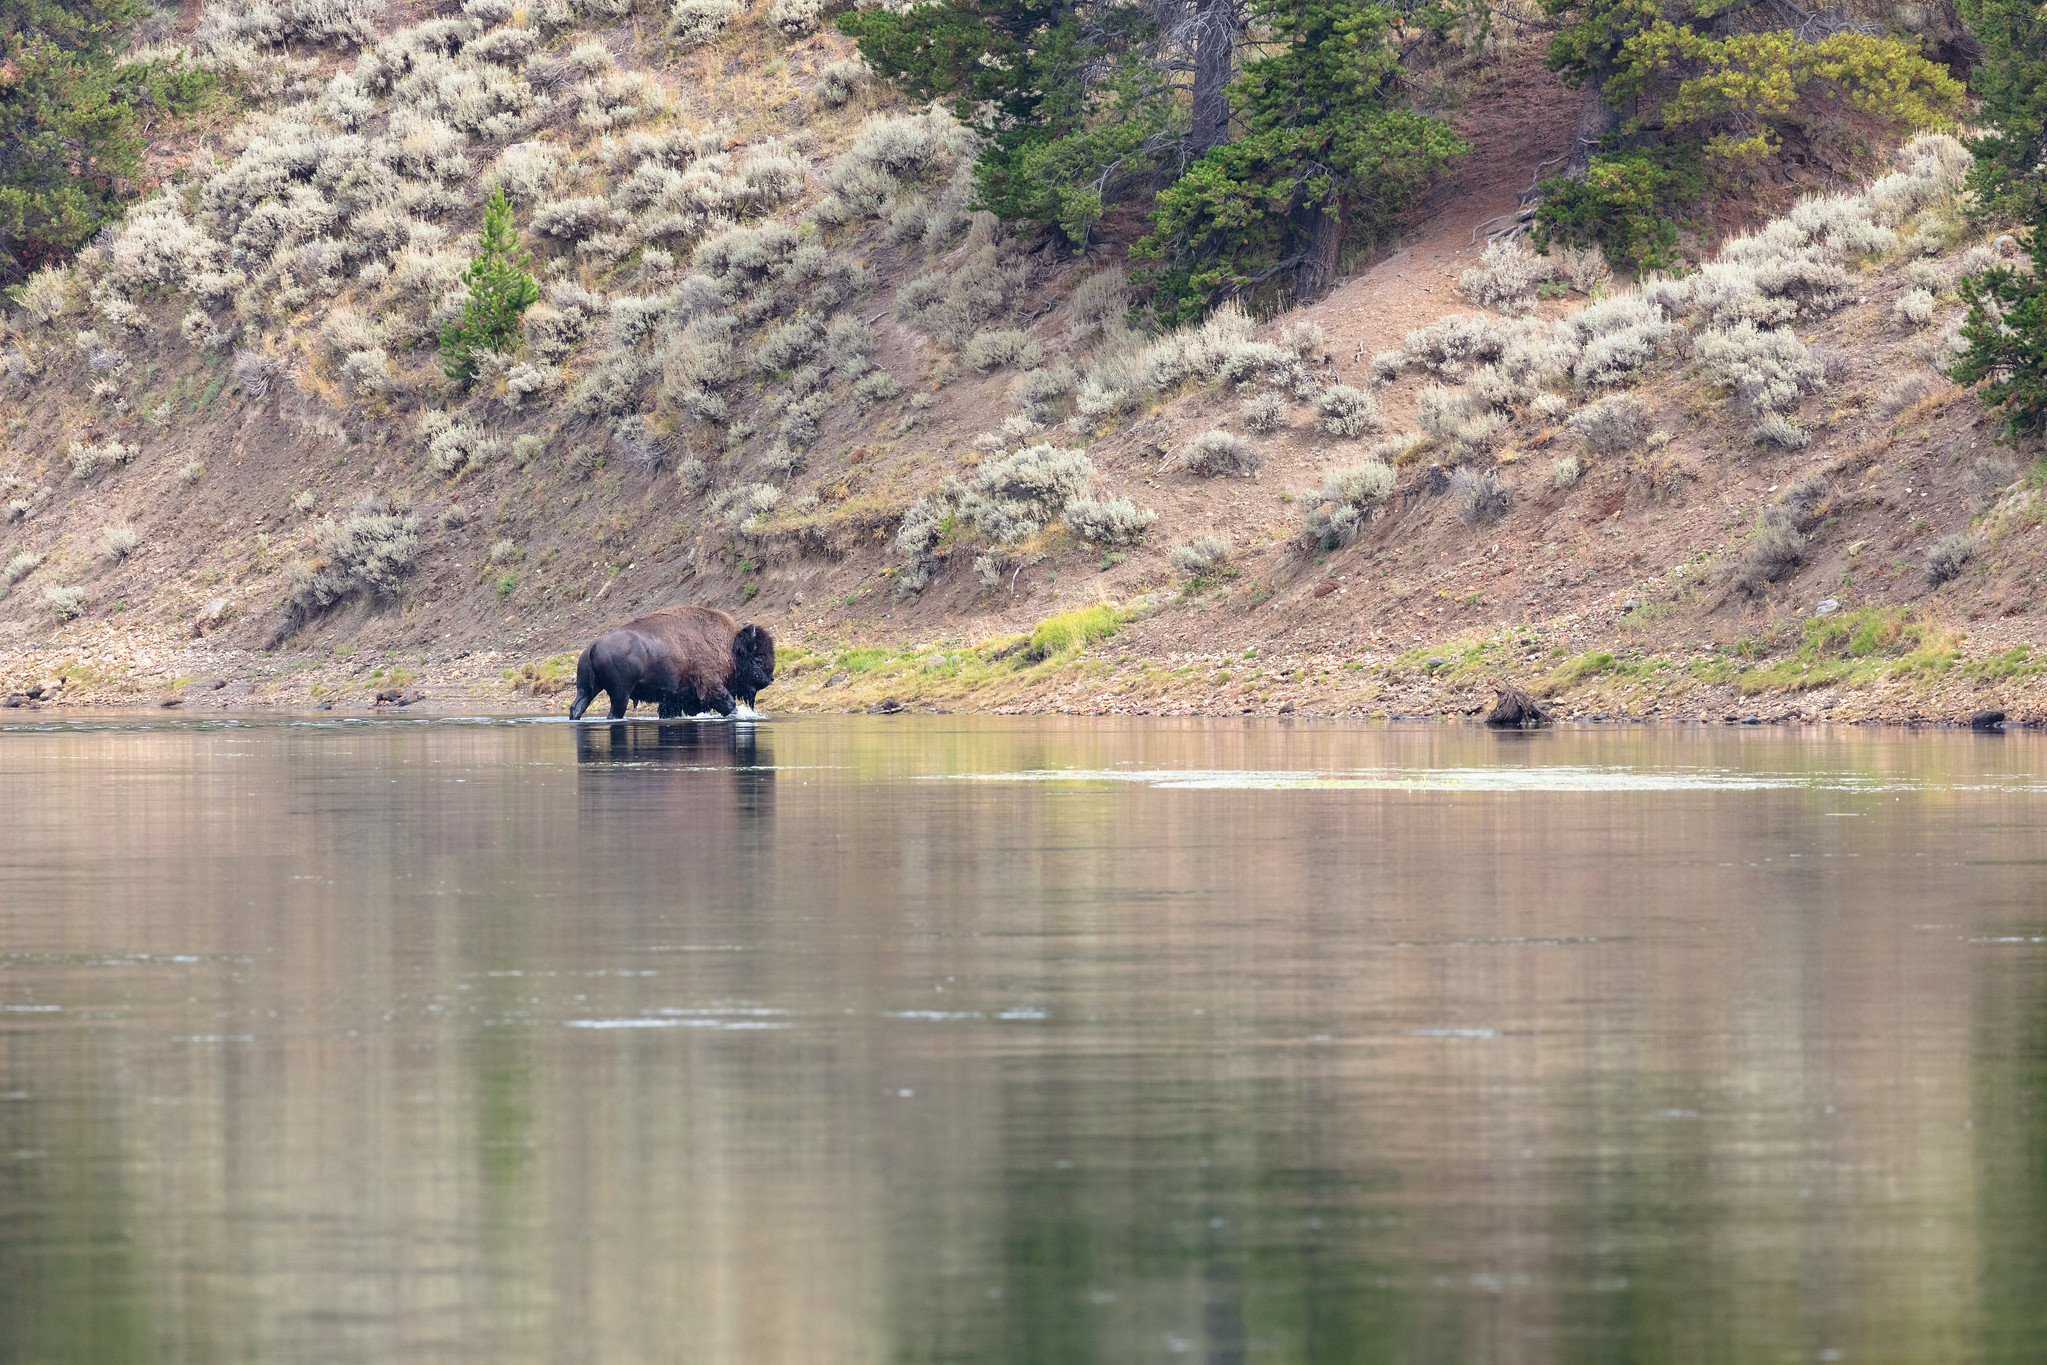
x: 683, y: 659
x: 741, y: 752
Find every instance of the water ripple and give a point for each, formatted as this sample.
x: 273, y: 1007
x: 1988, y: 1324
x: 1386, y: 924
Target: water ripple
x: 1555, y: 778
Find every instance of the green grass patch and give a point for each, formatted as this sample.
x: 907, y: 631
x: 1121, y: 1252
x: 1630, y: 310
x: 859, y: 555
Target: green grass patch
x: 2016, y: 662
x: 865, y: 660
x: 1593, y: 664
x: 1649, y: 613
x: 1072, y: 631
x: 1856, y: 647
x: 1863, y: 633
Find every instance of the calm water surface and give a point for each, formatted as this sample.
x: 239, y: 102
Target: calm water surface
x: 1035, y: 1041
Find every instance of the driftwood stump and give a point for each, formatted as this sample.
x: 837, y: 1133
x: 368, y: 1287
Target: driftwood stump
x: 1516, y: 708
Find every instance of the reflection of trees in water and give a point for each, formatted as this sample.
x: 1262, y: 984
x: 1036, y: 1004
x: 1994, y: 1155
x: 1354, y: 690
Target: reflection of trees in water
x: 71, y: 1278
x: 1212, y: 1219
x: 2011, y: 1147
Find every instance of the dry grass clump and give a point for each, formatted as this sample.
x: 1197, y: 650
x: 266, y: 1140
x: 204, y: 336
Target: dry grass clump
x: 65, y: 604
x: 1341, y: 410
x: 692, y: 475
x: 840, y: 81
x: 1481, y: 497
x: 1947, y: 558
x: 1035, y: 394
x: 1564, y: 472
x: 1012, y: 498
x: 1200, y: 557
x: 993, y: 350
x: 697, y: 23
x: 1221, y: 350
x: 876, y: 386
x: 1337, y: 514
x: 120, y: 541
x: 796, y: 18
x: 90, y: 461
x: 453, y: 447
x: 1768, y: 369
x: 1774, y: 428
x: 1798, y: 265
x: 1914, y: 308
x: 1506, y: 277
x: 22, y: 565
x: 1220, y: 452
x: 1098, y: 307
x: 1904, y: 393
x: 1107, y: 521
x: 369, y: 552
x: 45, y: 295
x: 1612, y: 426
x: 1264, y: 413
x: 1777, y: 545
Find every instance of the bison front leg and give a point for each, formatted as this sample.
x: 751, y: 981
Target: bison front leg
x: 719, y: 699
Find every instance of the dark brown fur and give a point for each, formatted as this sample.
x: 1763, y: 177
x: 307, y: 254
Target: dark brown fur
x: 683, y: 659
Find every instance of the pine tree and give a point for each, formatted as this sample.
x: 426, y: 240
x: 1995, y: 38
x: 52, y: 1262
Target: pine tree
x: 1678, y: 88
x: 69, y: 149
x: 499, y: 291
x: 2007, y: 334
x: 2011, y: 84
x: 1329, y: 149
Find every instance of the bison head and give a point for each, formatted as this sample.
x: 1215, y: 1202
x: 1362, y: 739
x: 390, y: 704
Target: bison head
x: 753, y: 663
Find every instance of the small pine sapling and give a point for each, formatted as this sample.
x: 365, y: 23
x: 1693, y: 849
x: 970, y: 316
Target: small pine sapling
x: 499, y: 291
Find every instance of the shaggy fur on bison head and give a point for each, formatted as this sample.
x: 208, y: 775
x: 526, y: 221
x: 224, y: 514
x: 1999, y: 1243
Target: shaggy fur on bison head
x: 753, y: 663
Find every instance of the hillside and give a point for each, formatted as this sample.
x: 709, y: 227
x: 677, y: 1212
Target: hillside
x: 779, y: 368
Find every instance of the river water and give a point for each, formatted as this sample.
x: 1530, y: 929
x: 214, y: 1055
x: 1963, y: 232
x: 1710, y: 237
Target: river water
x: 1019, y: 1040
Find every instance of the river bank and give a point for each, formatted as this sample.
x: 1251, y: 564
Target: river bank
x: 1861, y: 667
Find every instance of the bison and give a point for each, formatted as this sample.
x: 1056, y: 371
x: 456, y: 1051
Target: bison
x: 683, y: 659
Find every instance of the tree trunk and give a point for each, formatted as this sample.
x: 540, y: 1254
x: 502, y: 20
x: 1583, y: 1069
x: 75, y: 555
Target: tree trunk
x: 1215, y: 50
x: 1325, y: 240
x: 1595, y: 120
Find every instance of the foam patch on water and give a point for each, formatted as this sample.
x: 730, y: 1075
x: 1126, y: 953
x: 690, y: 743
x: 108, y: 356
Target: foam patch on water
x: 727, y: 1018
x: 1553, y: 778
x: 724, y: 1025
